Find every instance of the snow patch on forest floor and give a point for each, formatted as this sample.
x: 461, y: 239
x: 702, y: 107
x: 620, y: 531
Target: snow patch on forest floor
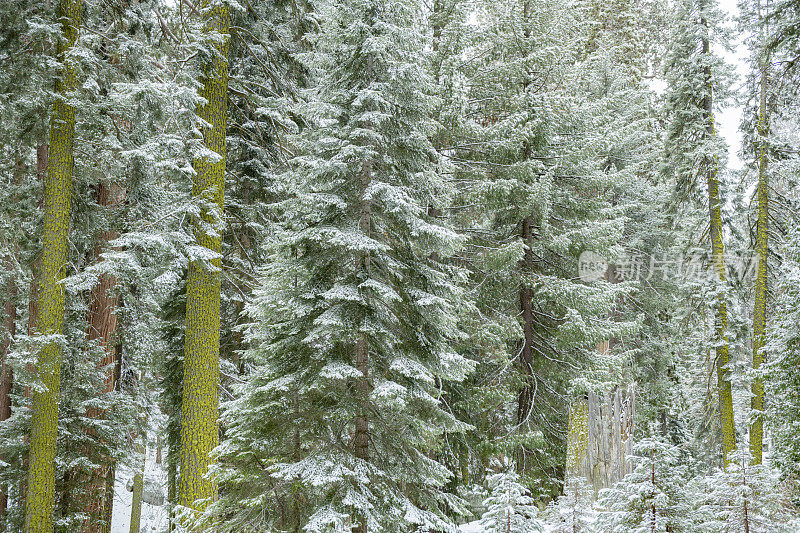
x: 475, y: 527
x: 154, y: 518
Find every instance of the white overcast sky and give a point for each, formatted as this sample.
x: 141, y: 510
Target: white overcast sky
x: 729, y: 118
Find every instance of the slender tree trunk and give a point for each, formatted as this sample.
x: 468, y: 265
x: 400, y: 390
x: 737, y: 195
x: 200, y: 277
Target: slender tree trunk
x: 6, y: 374
x: 297, y: 522
x: 172, y: 481
x: 57, y: 190
x: 102, y: 328
x: 526, y: 393
x: 33, y: 305
x: 718, y: 263
x: 762, y: 252
x: 653, y: 483
x: 9, y: 330
x: 361, y: 437
x: 138, y: 489
x: 200, y: 409
x: 361, y: 359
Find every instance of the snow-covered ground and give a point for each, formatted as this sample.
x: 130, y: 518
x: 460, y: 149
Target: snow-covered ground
x: 475, y: 527
x: 154, y: 519
x: 472, y: 527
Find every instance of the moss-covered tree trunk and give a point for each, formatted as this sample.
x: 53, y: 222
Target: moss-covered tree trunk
x: 760, y: 300
x: 33, y: 304
x: 718, y: 263
x: 138, y: 490
x: 57, y: 189
x: 199, y: 411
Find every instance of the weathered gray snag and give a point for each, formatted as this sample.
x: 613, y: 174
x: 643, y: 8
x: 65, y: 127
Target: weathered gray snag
x: 600, y: 437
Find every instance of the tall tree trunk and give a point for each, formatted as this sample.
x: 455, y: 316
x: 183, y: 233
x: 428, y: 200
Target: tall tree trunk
x: 718, y: 263
x: 42, y: 151
x: 762, y: 252
x: 6, y: 374
x: 526, y: 393
x: 361, y: 436
x: 138, y: 489
x: 172, y: 480
x: 652, y: 484
x: 102, y: 328
x: 200, y: 408
x: 57, y: 190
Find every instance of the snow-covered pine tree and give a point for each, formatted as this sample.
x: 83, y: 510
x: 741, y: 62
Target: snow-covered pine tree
x: 697, y: 81
x: 783, y: 347
x: 509, y: 507
x: 768, y: 129
x: 343, y: 408
x: 651, y: 499
x: 743, y: 498
x: 466, y: 454
x: 572, y: 512
x: 533, y: 195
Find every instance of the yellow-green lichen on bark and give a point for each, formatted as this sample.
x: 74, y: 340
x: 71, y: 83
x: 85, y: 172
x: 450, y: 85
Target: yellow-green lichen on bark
x: 718, y: 264
x: 57, y: 190
x: 199, y: 411
x: 138, y: 489
x: 577, y: 437
x: 760, y: 299
x: 721, y: 321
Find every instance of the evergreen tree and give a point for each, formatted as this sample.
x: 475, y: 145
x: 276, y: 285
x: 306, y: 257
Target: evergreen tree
x: 534, y: 198
x: 782, y: 346
x: 572, y: 512
x: 354, y: 317
x: 694, y: 160
x: 509, y: 507
x: 742, y: 498
x: 653, y: 497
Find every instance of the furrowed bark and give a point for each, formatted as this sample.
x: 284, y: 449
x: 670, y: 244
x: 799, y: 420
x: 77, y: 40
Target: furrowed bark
x: 57, y: 190
x: 760, y: 299
x: 102, y: 328
x: 526, y: 393
x: 200, y: 408
x: 361, y: 358
x: 33, y: 305
x: 718, y: 263
x: 6, y: 374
